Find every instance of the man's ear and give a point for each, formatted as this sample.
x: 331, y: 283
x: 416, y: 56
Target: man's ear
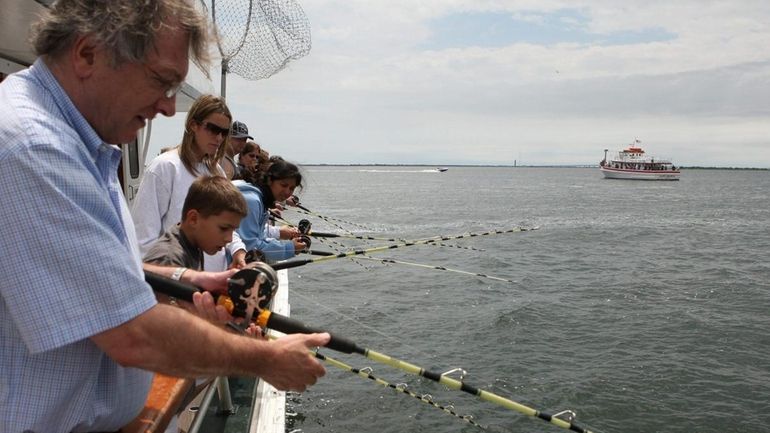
x: 84, y: 53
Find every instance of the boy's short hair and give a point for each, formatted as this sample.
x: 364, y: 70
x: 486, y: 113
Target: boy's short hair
x: 212, y: 195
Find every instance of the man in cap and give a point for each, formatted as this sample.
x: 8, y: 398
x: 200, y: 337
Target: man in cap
x: 239, y: 133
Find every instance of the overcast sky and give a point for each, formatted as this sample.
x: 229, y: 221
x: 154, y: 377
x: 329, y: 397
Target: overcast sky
x: 540, y: 81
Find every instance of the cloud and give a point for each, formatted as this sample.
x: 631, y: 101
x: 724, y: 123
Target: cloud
x: 451, y: 82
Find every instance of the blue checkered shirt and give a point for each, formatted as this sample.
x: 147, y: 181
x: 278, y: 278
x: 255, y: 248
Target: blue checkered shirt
x: 69, y: 266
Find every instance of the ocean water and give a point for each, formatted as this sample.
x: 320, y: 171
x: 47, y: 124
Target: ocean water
x: 642, y: 306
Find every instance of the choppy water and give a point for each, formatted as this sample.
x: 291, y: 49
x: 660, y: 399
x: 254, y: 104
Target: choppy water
x: 643, y: 306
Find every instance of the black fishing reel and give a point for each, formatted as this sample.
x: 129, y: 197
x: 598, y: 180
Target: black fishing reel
x: 304, y: 226
x: 304, y: 230
x: 252, y: 288
x: 255, y: 255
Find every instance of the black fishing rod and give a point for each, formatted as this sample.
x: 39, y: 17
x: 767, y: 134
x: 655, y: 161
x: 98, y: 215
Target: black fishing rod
x: 304, y: 227
x: 374, y: 238
x: 244, y: 290
x: 367, y: 373
x: 287, y: 264
x: 269, y: 320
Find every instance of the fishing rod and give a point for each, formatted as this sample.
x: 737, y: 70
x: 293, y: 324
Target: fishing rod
x: 304, y: 229
x: 244, y: 290
x: 367, y: 373
x: 373, y: 238
x: 287, y: 264
x: 339, y: 247
x: 304, y: 226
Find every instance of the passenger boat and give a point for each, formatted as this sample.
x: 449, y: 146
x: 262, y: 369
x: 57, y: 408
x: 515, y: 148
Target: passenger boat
x: 266, y: 413
x: 634, y: 164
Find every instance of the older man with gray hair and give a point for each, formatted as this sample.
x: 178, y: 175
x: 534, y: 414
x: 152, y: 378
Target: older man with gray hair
x: 80, y: 330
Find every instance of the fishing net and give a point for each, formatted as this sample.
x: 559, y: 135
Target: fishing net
x: 258, y: 38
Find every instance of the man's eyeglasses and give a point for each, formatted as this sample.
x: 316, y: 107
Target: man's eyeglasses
x: 215, y: 130
x: 171, y: 87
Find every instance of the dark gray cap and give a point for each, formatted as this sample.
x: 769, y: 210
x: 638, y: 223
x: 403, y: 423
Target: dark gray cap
x: 240, y: 130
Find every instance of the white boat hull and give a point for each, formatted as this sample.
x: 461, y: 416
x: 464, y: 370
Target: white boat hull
x: 620, y: 173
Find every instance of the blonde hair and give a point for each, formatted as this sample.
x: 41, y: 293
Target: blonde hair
x: 200, y: 110
x: 127, y: 29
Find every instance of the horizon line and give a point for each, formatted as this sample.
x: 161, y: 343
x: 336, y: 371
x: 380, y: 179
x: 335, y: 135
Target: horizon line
x: 688, y: 167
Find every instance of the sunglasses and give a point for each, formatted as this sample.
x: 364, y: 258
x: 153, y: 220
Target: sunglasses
x: 215, y: 130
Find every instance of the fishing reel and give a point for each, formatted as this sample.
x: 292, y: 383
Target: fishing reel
x: 252, y: 288
x: 255, y: 255
x: 304, y: 226
x: 304, y: 229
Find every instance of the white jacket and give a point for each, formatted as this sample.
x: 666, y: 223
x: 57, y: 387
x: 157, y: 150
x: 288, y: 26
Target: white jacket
x: 158, y: 204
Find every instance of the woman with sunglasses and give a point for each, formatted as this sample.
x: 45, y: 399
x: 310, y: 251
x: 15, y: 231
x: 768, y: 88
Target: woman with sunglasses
x: 158, y: 204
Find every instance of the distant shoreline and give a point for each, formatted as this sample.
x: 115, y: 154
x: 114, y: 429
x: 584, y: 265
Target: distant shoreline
x: 694, y: 167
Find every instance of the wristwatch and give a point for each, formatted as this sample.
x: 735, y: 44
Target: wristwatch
x: 177, y: 275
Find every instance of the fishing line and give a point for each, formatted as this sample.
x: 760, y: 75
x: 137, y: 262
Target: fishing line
x: 420, y: 265
x: 330, y: 220
x: 241, y: 292
x: 355, y: 321
x: 287, y: 264
x: 437, y: 268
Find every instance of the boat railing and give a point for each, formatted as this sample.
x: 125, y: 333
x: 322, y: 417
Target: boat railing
x: 646, y: 160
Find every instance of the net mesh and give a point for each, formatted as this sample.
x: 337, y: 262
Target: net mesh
x: 258, y: 38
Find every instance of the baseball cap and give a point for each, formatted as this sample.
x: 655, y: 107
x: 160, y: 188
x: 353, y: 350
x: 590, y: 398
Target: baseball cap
x: 240, y: 130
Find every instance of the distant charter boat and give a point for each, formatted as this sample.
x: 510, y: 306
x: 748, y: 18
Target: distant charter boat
x: 634, y: 164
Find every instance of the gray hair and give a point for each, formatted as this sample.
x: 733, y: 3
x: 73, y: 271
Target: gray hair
x: 127, y: 28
